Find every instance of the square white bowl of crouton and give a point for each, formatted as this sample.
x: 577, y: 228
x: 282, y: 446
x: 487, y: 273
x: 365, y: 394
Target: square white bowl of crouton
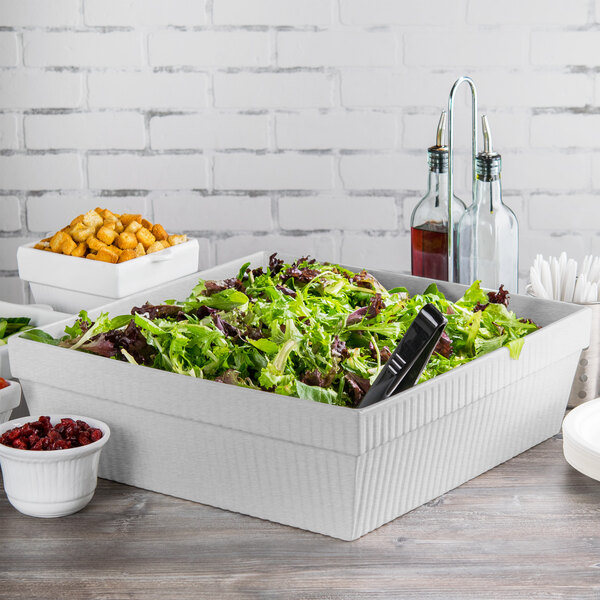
x: 102, y: 256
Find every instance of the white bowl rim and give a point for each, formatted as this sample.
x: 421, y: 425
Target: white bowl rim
x: 11, y: 384
x: 49, y: 455
x: 10, y: 395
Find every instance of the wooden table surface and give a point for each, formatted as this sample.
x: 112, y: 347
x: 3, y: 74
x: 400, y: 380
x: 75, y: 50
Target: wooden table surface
x: 527, y: 529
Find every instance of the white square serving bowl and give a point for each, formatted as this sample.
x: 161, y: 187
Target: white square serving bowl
x: 39, y: 315
x: 338, y: 471
x: 71, y: 284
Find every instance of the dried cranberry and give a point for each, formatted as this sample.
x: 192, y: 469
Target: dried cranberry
x: 84, y: 438
x: 41, y: 435
x: 95, y: 434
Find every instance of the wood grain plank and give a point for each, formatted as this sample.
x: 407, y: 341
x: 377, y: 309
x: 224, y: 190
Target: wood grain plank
x: 529, y: 528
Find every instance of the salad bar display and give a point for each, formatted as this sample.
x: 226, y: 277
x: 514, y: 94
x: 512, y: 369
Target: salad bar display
x: 206, y: 366
x: 313, y: 330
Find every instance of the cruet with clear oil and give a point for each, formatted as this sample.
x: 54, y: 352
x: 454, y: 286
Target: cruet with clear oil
x: 488, y: 232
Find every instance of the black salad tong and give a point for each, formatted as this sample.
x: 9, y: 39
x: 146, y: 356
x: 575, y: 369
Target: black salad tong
x: 410, y: 357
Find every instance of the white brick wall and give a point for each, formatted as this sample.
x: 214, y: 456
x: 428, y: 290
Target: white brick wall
x: 33, y: 88
x: 292, y: 125
x: 379, y: 12
x: 145, y: 90
x: 10, y: 214
x: 273, y: 90
x: 273, y: 172
x: 41, y: 172
x: 88, y: 131
x: 39, y: 13
x: 532, y: 12
x: 221, y: 131
x: 9, y: 132
x: 336, y: 49
x: 209, y: 49
x: 144, y: 13
x: 357, y: 130
x: 216, y: 213
x: 345, y: 213
x: 133, y: 172
x: 9, y: 49
x: 114, y: 49
x: 272, y: 12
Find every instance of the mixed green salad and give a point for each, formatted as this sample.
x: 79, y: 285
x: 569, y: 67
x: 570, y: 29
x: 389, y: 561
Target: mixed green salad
x: 307, y: 329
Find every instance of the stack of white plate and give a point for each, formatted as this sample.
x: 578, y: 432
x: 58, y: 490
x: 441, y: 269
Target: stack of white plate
x: 581, y: 438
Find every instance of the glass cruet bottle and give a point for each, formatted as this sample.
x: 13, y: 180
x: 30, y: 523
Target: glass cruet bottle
x: 488, y: 232
x: 429, y: 219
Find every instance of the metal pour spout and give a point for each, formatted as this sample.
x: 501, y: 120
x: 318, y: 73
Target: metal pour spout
x: 439, y: 138
x: 487, y: 135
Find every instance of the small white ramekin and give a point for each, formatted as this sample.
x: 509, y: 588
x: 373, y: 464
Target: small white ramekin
x: 51, y: 483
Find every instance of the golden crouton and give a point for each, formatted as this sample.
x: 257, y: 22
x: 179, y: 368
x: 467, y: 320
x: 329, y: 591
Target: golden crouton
x: 93, y: 219
x: 158, y: 231
x: 127, y: 255
x: 177, y: 239
x: 107, y: 254
x: 127, y: 240
x: 76, y: 220
x: 133, y: 227
x: 103, y: 235
x: 68, y: 245
x: 95, y: 244
x: 126, y: 219
x: 81, y: 232
x: 106, y: 235
x: 156, y: 247
x: 57, y: 241
x: 80, y: 250
x: 145, y: 237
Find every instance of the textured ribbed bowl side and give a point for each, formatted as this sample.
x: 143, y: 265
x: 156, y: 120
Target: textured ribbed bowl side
x: 51, y: 483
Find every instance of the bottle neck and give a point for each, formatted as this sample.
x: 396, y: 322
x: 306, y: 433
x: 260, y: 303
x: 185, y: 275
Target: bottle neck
x: 437, y: 186
x: 488, y: 194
